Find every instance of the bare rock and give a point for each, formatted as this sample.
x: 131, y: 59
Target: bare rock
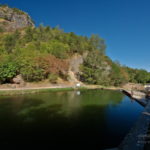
x: 18, y: 80
x: 75, y: 63
x: 12, y: 19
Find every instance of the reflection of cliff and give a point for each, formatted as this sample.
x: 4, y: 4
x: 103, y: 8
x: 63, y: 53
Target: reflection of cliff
x: 73, y: 103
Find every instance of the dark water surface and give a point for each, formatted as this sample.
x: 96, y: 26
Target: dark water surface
x: 95, y: 119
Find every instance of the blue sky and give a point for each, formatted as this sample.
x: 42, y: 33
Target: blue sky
x: 124, y: 24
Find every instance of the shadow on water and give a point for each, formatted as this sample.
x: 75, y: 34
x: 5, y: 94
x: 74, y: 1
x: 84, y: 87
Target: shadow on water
x: 89, y: 119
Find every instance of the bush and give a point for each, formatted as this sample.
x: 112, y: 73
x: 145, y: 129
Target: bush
x: 31, y: 71
x: 56, y: 48
x: 8, y: 70
x: 94, y: 70
x: 52, y: 65
x: 53, y: 78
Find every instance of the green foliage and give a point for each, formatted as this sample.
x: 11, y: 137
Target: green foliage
x: 97, y: 43
x: 58, y: 49
x: 52, y: 78
x: 94, y: 70
x: 138, y: 75
x: 41, y: 53
x: 116, y: 75
x: 8, y: 70
x: 56, y: 37
x: 10, y: 40
x: 31, y: 72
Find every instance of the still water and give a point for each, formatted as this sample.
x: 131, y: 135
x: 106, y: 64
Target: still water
x: 95, y: 119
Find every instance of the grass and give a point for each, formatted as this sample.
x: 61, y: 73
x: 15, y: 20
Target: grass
x: 32, y: 91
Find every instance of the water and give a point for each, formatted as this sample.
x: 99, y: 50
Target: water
x: 95, y: 119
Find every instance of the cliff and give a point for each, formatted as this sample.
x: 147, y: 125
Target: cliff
x: 12, y: 19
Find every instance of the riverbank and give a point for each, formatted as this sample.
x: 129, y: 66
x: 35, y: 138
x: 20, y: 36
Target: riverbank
x: 30, y: 90
x: 14, y: 89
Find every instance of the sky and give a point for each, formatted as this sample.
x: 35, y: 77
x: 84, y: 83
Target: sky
x: 124, y: 24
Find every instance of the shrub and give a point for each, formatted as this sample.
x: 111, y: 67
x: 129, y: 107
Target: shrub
x: 8, y: 70
x: 52, y: 78
x: 52, y: 65
x: 30, y: 70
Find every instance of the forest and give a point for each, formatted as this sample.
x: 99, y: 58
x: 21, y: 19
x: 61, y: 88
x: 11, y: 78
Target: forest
x: 43, y: 53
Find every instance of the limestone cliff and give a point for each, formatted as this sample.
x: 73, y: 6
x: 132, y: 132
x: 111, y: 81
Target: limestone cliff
x: 12, y: 19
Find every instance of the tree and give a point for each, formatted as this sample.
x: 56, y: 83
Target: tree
x: 8, y: 70
x: 97, y: 43
x: 94, y: 69
x: 142, y: 76
x: 10, y: 41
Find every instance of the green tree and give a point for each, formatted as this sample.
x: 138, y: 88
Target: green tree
x: 97, y: 43
x: 8, y: 70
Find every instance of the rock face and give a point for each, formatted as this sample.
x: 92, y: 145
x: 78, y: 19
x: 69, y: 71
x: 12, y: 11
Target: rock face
x: 12, y: 19
x: 75, y: 63
x: 74, y: 67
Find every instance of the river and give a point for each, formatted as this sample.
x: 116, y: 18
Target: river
x: 95, y: 119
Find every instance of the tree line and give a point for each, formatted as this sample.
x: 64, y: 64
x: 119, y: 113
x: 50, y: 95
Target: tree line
x: 42, y: 53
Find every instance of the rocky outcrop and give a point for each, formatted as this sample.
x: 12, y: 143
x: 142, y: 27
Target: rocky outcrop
x: 75, y: 61
x: 12, y: 19
x: 74, y: 67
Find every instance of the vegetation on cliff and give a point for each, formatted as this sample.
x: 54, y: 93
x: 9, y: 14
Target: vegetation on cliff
x: 39, y: 53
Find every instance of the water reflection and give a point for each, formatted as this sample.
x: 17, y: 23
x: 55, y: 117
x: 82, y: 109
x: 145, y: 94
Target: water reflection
x: 78, y: 92
x: 93, y: 118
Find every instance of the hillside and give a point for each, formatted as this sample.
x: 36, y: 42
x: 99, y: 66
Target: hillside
x: 32, y: 54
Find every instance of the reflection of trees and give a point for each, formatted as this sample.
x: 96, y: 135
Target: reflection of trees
x: 101, y: 97
x: 65, y: 103
x: 68, y: 103
x: 64, y: 115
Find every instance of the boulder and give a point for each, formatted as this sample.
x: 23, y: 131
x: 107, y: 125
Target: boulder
x: 18, y: 80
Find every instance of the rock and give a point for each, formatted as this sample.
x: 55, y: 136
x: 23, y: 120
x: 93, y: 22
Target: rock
x: 75, y: 63
x: 74, y: 67
x: 18, y: 80
x: 72, y: 77
x: 12, y: 19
